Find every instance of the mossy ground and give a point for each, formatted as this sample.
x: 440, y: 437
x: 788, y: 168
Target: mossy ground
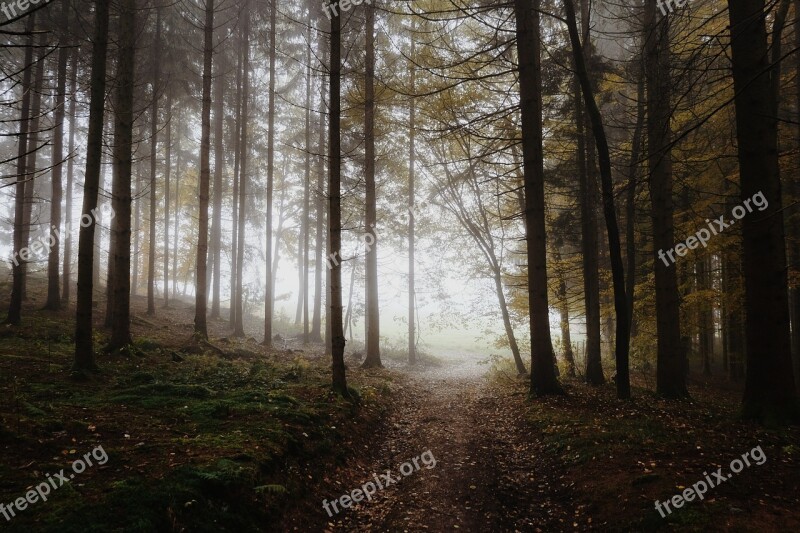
x: 195, y: 441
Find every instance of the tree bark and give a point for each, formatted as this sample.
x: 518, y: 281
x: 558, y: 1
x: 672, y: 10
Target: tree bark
x: 609, y: 211
x: 201, y: 294
x: 339, y: 380
x: 18, y: 270
x: 307, y: 190
x: 33, y: 151
x: 587, y: 186
x: 84, y: 345
x: 243, y: 147
x: 671, y: 372
x: 236, y: 182
x: 66, y: 294
x: 151, y: 256
x: 412, y: 158
x: 319, y: 263
x: 123, y: 143
x: 770, y: 393
x: 543, y: 371
x: 269, y: 296
x: 219, y: 163
x: 373, y: 349
x: 53, y: 275
x: 167, y: 169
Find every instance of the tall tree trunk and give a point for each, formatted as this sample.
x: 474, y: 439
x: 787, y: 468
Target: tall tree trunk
x: 137, y: 222
x: 33, y: 153
x: 671, y: 374
x: 53, y: 275
x: 151, y: 259
x: 412, y: 158
x: 167, y: 168
x: 794, y: 224
x: 373, y: 349
x: 123, y: 143
x: 243, y: 147
x: 563, y: 305
x: 84, y: 345
x: 307, y: 190
x: 66, y: 294
x: 587, y: 185
x: 18, y: 270
x: 543, y: 371
x: 630, y: 207
x: 112, y: 245
x: 705, y: 315
x: 609, y: 211
x: 348, y: 316
x: 236, y: 134
x: 201, y: 296
x: 587, y: 170
x: 319, y: 263
x: 269, y: 296
x: 770, y: 393
x: 339, y: 381
x: 177, y: 213
x: 219, y: 162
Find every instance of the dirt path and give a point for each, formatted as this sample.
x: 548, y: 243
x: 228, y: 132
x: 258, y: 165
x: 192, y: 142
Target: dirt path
x: 486, y: 476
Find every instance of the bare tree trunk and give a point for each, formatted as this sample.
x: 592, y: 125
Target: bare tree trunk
x: 18, y: 270
x: 236, y: 182
x: 412, y: 155
x: 137, y: 221
x: 177, y: 213
x: 671, y: 374
x: 167, y: 168
x: 219, y: 162
x: 123, y: 142
x: 307, y: 191
x: 770, y: 393
x: 543, y: 371
x: 630, y: 208
x: 705, y: 315
x: 348, y: 317
x: 84, y: 345
x: 609, y: 211
x: 794, y: 224
x: 373, y: 349
x: 243, y: 146
x: 269, y: 296
x: 201, y: 297
x: 563, y: 305
x: 319, y: 264
x: 33, y: 152
x: 151, y: 259
x: 53, y: 258
x: 589, y: 247
x: 339, y: 381
x: 66, y: 294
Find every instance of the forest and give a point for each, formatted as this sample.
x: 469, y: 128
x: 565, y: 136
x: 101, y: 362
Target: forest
x: 399, y: 265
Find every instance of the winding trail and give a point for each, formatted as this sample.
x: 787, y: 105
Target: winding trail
x: 487, y: 476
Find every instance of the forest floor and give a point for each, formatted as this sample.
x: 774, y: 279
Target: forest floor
x: 240, y: 438
x: 580, y: 462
